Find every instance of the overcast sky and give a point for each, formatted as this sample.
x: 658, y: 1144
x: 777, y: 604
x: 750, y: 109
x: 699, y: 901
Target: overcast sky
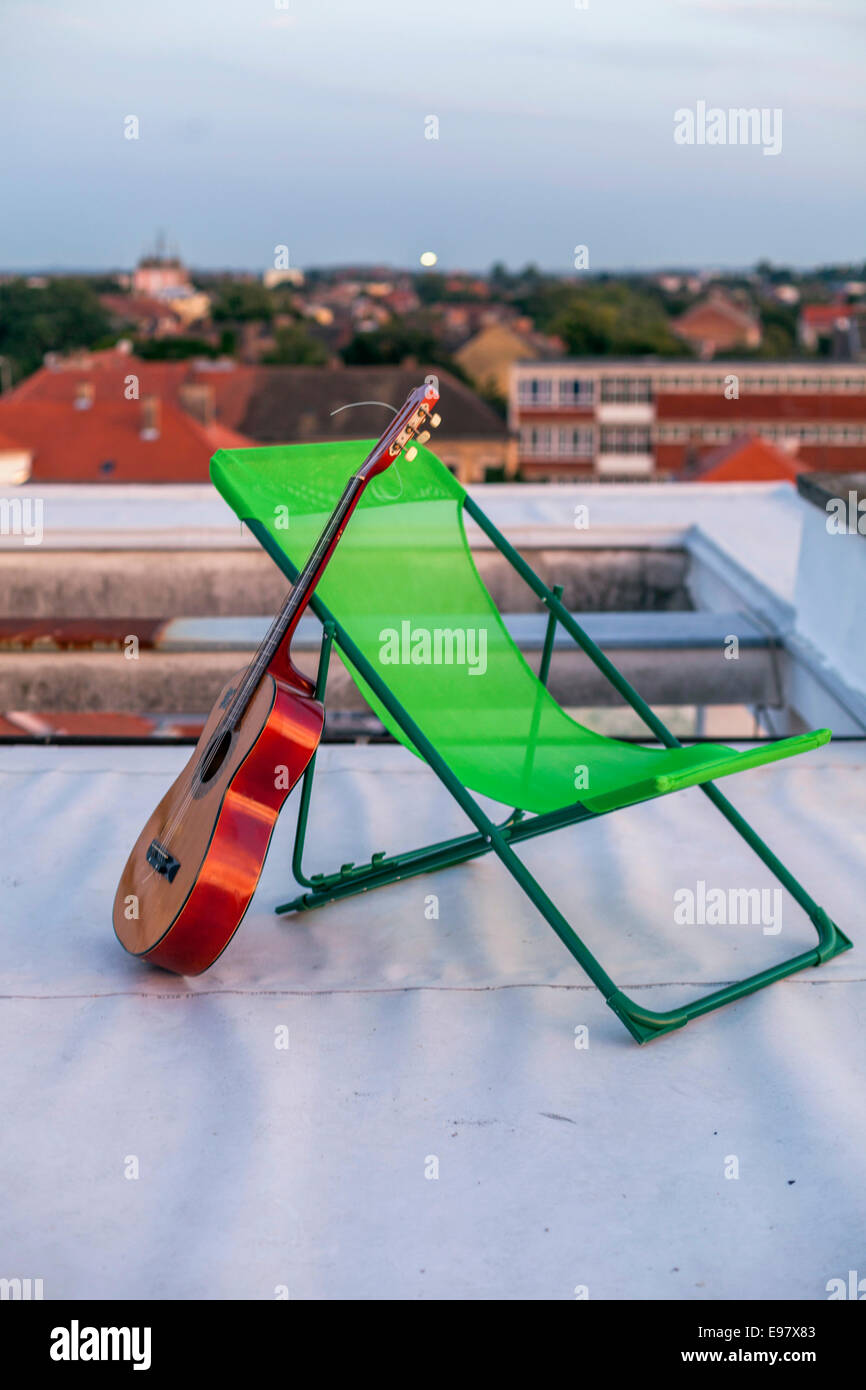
x: 305, y: 126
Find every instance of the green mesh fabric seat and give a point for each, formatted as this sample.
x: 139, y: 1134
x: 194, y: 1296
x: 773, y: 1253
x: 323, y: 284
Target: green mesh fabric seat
x: 406, y: 590
x: 428, y: 648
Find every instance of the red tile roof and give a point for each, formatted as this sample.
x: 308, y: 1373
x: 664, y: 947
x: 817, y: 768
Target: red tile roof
x: 137, y: 306
x: 749, y: 459
x: 8, y: 443
x: 716, y: 307
x: 825, y: 315
x: 72, y: 445
x: 107, y: 372
x: 221, y: 437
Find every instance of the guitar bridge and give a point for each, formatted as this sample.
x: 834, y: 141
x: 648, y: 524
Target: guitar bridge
x: 162, y: 860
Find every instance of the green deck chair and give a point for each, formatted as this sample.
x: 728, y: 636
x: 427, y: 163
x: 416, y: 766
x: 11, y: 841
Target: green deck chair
x: 427, y: 647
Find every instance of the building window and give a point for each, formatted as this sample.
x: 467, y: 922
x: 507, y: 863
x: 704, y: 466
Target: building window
x: 576, y: 392
x: 576, y: 442
x: 536, y: 391
x: 568, y: 441
x: 626, y: 390
x: 671, y: 434
x: 541, y: 440
x: 624, y: 439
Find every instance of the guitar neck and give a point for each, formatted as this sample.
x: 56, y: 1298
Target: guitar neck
x: 296, y: 601
x: 292, y: 610
x: 403, y: 428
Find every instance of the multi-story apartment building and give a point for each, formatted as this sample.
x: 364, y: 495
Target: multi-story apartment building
x: 653, y: 417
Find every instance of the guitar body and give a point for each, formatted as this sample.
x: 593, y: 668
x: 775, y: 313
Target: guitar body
x: 181, y: 907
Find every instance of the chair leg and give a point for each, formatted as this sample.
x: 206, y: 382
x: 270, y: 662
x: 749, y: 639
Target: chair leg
x: 646, y: 1024
x: 643, y: 1024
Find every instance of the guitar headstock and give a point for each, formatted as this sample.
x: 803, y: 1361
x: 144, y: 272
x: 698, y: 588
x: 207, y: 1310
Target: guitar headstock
x: 408, y: 425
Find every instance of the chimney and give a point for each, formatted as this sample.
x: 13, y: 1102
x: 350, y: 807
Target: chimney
x: 198, y: 400
x: 83, y: 395
x: 150, y: 412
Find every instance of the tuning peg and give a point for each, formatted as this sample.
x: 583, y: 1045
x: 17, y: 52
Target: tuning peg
x: 422, y: 437
x: 411, y: 453
x: 435, y: 421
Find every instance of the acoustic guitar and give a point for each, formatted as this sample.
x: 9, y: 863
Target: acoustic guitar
x: 196, y: 863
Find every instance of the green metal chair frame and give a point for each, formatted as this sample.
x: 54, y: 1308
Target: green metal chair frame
x: 500, y: 838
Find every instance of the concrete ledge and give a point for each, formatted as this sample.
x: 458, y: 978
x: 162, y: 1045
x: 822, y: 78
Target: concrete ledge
x: 650, y: 631
x: 145, y: 583
x: 182, y: 664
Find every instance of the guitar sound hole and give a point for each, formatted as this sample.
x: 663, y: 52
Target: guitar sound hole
x: 214, y: 759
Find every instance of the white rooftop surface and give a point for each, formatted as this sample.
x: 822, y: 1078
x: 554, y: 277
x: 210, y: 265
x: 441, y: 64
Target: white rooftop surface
x: 764, y: 535
x: 414, y: 1038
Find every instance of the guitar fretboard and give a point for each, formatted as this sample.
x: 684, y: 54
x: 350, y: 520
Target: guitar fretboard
x: 296, y: 602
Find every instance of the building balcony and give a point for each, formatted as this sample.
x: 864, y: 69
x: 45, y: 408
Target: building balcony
x: 625, y: 413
